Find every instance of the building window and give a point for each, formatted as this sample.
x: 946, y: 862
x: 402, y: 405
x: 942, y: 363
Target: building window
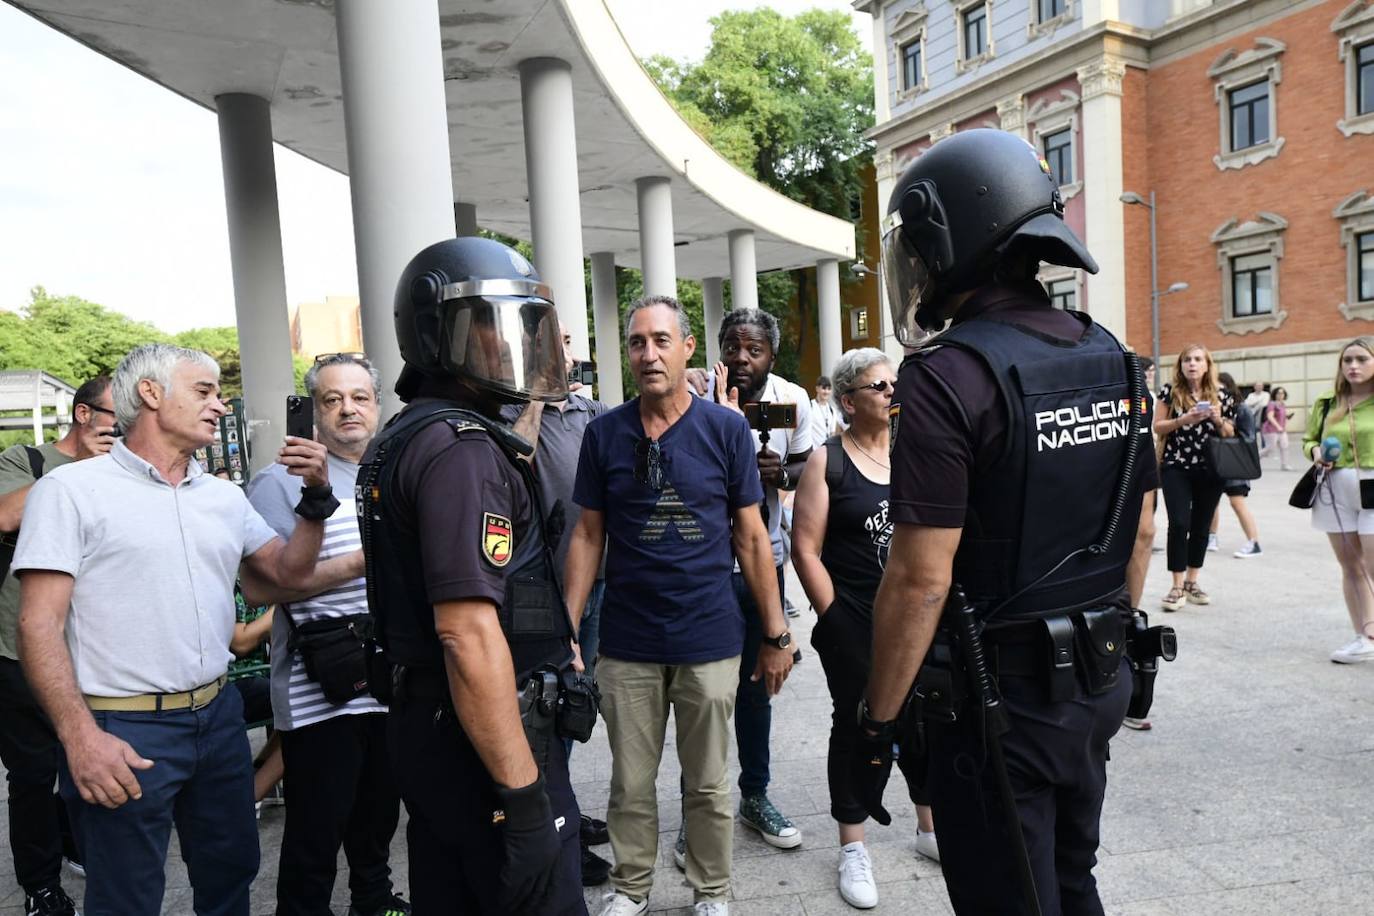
x: 1063, y: 293
x: 1246, y: 88
x: 1050, y: 9
x: 1249, y: 255
x: 1364, y: 79
x: 907, y: 34
x: 1059, y: 154
x: 1048, y: 15
x: 1053, y: 123
x: 975, y: 20
x: 1249, y: 115
x: 858, y: 324
x: 1252, y: 286
x: 1364, y: 257
x: 1356, y: 216
x: 1354, y: 28
x: 911, y: 65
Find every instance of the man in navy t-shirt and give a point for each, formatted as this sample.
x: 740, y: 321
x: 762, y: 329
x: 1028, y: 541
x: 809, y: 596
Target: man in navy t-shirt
x: 670, y: 485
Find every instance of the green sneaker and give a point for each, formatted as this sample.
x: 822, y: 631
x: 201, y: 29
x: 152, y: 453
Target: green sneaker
x: 396, y: 906
x: 758, y: 812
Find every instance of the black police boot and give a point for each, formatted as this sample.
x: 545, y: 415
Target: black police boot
x: 594, y: 832
x: 595, y: 870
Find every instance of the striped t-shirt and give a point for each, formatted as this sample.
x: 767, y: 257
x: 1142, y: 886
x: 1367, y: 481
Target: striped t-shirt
x: 297, y: 700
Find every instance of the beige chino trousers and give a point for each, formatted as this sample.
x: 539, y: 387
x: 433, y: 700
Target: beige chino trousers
x: 635, y: 699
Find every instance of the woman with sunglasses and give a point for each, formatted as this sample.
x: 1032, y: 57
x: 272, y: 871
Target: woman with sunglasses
x: 839, y: 548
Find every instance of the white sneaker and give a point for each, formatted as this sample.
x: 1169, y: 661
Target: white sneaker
x: 927, y: 846
x: 1359, y: 650
x: 1250, y: 549
x: 1212, y: 544
x: 857, y: 886
x: 711, y: 908
x: 620, y: 905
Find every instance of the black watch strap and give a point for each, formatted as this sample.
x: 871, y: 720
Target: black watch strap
x: 782, y: 641
x: 871, y: 726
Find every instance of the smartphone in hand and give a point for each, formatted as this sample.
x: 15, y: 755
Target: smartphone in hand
x: 300, y: 416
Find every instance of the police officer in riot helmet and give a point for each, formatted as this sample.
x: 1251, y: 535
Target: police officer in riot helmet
x: 1016, y: 492
x: 477, y: 665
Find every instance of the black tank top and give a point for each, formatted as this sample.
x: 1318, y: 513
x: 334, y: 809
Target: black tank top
x: 857, y: 531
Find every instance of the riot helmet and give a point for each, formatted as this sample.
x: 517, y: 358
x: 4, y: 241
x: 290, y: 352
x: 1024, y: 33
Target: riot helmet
x: 971, y: 202
x: 475, y: 310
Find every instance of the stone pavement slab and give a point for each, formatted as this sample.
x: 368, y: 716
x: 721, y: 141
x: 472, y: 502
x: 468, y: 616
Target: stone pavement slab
x: 1247, y: 797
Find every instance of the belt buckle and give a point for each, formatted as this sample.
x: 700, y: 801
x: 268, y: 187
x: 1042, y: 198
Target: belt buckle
x: 197, y: 692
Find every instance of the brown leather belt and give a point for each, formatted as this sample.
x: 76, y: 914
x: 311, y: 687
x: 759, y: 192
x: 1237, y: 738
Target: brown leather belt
x: 195, y: 698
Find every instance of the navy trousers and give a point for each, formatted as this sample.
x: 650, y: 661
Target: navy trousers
x: 201, y: 780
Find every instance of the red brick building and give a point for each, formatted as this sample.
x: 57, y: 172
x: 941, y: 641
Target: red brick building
x: 1250, y: 121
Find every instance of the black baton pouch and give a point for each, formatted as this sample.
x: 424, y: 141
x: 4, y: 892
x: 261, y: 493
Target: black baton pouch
x: 1101, y: 638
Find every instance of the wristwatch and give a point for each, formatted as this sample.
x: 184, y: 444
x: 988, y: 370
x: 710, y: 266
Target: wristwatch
x: 780, y: 642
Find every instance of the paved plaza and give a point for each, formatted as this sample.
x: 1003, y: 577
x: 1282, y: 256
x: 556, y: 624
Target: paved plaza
x: 1246, y: 798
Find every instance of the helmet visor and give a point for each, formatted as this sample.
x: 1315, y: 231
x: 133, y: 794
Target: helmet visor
x: 509, y: 344
x: 906, y: 277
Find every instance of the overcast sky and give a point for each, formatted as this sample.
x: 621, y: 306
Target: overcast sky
x: 111, y: 189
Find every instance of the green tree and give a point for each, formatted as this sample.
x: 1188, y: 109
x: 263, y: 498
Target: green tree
x: 787, y: 100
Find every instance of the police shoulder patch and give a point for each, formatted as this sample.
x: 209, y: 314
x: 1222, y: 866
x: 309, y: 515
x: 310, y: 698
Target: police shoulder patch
x: 498, y: 539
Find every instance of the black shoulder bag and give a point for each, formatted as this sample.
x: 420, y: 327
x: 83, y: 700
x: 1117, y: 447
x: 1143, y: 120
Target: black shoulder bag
x: 10, y: 539
x: 1304, y: 494
x: 335, y: 651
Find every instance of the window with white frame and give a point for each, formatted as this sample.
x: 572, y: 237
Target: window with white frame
x: 975, y: 35
x: 1063, y: 293
x: 1356, y: 216
x: 907, y: 34
x: 1355, y: 29
x: 1054, y: 129
x: 1245, y: 84
x: 1048, y: 15
x: 1048, y: 9
x: 1248, y: 256
x: 858, y: 323
x: 1058, y: 148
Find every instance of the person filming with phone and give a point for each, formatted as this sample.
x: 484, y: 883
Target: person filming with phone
x: 1191, y: 409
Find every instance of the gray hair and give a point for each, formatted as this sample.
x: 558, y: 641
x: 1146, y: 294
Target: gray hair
x: 155, y: 362
x: 757, y: 317
x: 683, y: 322
x: 312, y: 375
x: 853, y: 364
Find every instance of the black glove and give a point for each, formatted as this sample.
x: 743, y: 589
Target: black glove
x: 871, y: 765
x: 533, y: 846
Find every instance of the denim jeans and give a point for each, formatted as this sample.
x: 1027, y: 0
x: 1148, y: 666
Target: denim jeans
x: 753, y: 709
x: 201, y: 780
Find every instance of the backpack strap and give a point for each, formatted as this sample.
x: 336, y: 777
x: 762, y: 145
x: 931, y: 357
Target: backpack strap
x: 35, y: 461
x: 834, y: 463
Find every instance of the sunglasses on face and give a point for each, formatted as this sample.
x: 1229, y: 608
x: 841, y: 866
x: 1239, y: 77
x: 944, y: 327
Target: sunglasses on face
x: 649, y: 463
x: 93, y: 407
x: 882, y: 386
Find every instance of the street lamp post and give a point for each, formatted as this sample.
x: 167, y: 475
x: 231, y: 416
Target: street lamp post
x: 1130, y: 197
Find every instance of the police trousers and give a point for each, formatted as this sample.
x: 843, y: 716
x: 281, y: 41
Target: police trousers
x: 455, y: 851
x: 1056, y: 757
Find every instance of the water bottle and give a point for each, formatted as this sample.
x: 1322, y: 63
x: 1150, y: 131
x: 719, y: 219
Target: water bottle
x: 1331, y: 449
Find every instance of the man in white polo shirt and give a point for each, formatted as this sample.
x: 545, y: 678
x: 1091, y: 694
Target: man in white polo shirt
x: 127, y: 565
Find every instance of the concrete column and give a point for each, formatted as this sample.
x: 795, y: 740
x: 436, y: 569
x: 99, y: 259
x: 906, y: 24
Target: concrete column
x: 464, y: 219
x: 250, y: 199
x: 1102, y: 187
x: 606, y: 305
x: 828, y: 312
x: 396, y: 127
x: 657, y: 258
x: 744, y: 277
x: 713, y: 310
x: 546, y: 99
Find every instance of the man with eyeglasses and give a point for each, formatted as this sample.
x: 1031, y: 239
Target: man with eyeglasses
x: 40, y: 834
x: 669, y: 487
x: 339, y: 786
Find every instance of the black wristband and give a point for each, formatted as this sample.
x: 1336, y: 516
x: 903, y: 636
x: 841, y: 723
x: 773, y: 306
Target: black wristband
x: 317, y: 503
x: 868, y: 726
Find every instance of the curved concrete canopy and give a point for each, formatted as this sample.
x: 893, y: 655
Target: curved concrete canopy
x: 286, y: 51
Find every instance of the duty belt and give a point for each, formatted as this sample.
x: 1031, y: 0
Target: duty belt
x: 195, y: 698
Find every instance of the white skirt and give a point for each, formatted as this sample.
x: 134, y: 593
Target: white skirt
x: 1337, y: 509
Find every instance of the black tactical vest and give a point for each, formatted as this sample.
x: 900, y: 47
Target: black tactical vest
x: 533, y: 616
x: 1070, y: 422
